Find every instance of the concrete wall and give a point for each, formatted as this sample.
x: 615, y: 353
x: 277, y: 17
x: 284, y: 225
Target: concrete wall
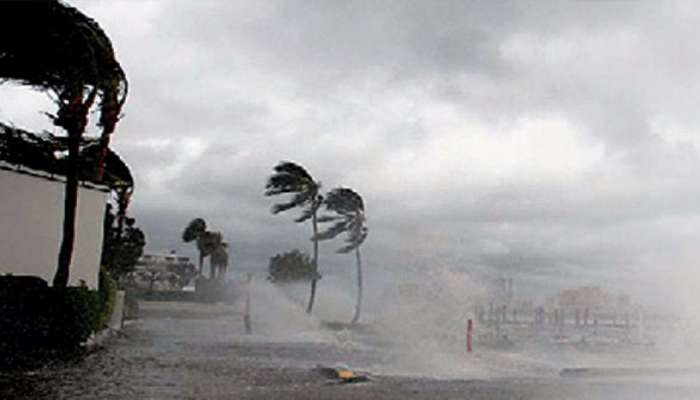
x: 31, y: 218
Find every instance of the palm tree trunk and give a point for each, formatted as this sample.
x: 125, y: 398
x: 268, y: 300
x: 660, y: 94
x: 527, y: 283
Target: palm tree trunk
x: 314, y: 225
x: 358, y: 304
x: 110, y: 116
x: 72, y: 116
x: 70, y: 205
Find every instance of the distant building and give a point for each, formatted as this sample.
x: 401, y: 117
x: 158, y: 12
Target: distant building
x: 588, y: 297
x: 162, y: 271
x: 161, y: 261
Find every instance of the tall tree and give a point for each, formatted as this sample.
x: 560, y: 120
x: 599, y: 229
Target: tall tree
x: 293, y: 179
x: 121, y: 248
x: 211, y: 242
x: 219, y: 261
x: 348, y: 216
x: 65, y: 53
x: 207, y: 242
x: 194, y: 232
x: 292, y: 266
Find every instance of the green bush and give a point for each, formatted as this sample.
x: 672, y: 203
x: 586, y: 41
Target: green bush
x: 38, y: 321
x: 292, y: 266
x: 76, y: 312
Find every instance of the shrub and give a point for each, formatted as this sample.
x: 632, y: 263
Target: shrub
x: 39, y: 321
x: 76, y: 313
x: 291, y: 266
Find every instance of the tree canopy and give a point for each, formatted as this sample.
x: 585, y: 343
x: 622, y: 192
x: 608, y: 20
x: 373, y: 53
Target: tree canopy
x: 349, y: 216
x: 62, y: 51
x: 121, y: 248
x: 293, y: 179
x: 292, y: 266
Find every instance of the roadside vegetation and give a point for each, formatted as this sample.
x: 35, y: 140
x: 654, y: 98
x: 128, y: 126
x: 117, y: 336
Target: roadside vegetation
x: 292, y: 266
x: 68, y: 56
x: 41, y: 324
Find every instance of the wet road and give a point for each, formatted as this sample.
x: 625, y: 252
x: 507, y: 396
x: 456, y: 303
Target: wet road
x: 193, y: 351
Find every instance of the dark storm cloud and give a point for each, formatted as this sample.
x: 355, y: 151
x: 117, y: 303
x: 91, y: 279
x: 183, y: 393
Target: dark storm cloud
x: 551, y: 140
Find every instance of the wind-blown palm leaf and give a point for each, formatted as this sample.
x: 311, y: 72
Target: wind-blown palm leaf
x: 344, y: 201
x: 333, y: 231
x: 194, y: 229
x: 350, y: 210
x: 63, y: 51
x: 297, y: 200
x: 58, y: 48
x: 294, y: 179
x: 354, y: 243
x: 328, y: 218
x: 289, y: 178
x: 307, y: 213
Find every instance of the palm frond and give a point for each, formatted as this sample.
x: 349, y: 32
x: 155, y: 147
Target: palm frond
x: 194, y: 229
x: 290, y: 168
x: 54, y: 47
x: 293, y: 179
x: 279, y: 184
x: 354, y: 242
x: 328, y: 218
x: 333, y: 231
x: 348, y: 207
x: 306, y: 213
x: 297, y: 200
x: 344, y: 201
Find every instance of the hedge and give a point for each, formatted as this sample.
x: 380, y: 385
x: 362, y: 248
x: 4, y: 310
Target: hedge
x: 37, y: 321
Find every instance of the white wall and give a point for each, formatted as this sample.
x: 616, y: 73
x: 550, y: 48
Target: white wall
x: 31, y: 218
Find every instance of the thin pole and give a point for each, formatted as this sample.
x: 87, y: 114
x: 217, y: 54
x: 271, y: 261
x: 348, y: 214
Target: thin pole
x: 470, y: 328
x: 246, y: 315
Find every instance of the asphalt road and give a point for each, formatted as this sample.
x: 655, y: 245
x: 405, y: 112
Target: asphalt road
x: 194, y: 351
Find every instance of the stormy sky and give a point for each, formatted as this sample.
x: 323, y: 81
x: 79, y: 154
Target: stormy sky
x: 555, y: 143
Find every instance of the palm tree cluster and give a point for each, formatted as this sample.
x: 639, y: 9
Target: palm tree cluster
x: 209, y: 244
x: 344, y: 208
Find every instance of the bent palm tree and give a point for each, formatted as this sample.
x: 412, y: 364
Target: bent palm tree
x: 65, y: 53
x: 207, y: 242
x: 349, y: 217
x: 195, y: 231
x: 294, y: 179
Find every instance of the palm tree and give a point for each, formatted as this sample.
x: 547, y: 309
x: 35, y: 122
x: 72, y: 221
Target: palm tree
x: 65, y: 53
x: 195, y: 231
x: 219, y: 261
x: 210, y: 243
x: 207, y: 242
x: 293, y: 179
x: 349, y: 217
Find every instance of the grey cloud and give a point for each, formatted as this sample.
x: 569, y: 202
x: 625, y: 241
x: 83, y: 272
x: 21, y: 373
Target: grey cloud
x: 342, y: 88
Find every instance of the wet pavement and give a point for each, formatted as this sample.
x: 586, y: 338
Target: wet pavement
x: 199, y: 351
